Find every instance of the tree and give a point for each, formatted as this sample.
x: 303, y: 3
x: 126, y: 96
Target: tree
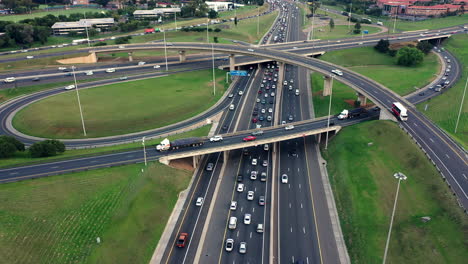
x: 425, y: 46
x: 409, y: 56
x: 21, y: 33
x: 215, y: 39
x: 235, y: 21
x: 6, y: 149
x: 313, y: 6
x: 357, y: 28
x: 382, y: 46
x: 212, y: 14
x: 46, y: 148
x: 101, y: 2
x: 18, y: 144
x: 41, y: 34
x: 332, y: 24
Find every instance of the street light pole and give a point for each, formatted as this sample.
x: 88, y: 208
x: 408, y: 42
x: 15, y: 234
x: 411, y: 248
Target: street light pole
x: 461, y: 105
x: 214, y: 75
x: 79, y: 102
x: 258, y: 21
x: 207, y: 33
x: 144, y: 149
x: 165, y: 48
x: 86, y: 28
x: 400, y: 176
x: 329, y: 112
x: 394, y: 23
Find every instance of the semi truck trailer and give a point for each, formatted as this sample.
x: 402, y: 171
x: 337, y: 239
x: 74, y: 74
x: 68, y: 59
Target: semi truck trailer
x: 179, y: 143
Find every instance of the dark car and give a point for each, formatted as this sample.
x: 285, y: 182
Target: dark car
x: 240, y: 178
x: 261, y: 118
x: 35, y: 79
x: 225, y: 127
x: 246, y: 152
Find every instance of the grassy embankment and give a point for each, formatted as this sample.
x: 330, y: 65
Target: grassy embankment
x: 365, y: 189
x: 120, y: 109
x: 444, y: 109
x: 23, y: 158
x: 378, y: 67
x: 341, y: 31
x: 59, y: 218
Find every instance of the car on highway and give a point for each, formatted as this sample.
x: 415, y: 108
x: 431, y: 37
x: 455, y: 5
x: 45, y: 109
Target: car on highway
x: 247, y: 219
x: 35, y: 79
x: 254, y: 162
x: 210, y: 166
x: 290, y: 127
x: 266, y: 147
x: 199, y: 201
x: 62, y: 68
x: 249, y: 138
x: 229, y: 244
x: 110, y: 70
x: 251, y: 50
x: 9, y: 80
x: 231, y: 95
x: 233, y: 206
x: 269, y: 118
x: 140, y: 63
x: 253, y: 175
x: 240, y: 93
x: 265, y: 163
x: 284, y: 178
x: 263, y: 176
x: 270, y: 110
x: 250, y: 195
x: 156, y: 66
x: 182, y: 240
x: 259, y: 228
x: 243, y: 248
x: 261, y: 200
x: 261, y: 118
x: 337, y: 72
x: 258, y: 100
x: 290, y: 118
x: 123, y: 78
x: 232, y: 222
x: 88, y: 73
x: 239, y: 178
x: 29, y: 57
x: 240, y: 187
x: 272, y: 94
x: 257, y: 133
x: 254, y: 120
x: 216, y: 138
x: 69, y: 87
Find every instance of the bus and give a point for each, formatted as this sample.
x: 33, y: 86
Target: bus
x: 400, y: 111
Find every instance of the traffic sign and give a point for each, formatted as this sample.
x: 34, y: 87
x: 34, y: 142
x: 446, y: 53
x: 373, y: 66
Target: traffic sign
x: 238, y: 73
x: 366, y: 31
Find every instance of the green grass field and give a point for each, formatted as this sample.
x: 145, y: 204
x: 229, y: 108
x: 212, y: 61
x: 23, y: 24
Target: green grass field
x: 23, y: 158
x: 340, y: 31
x: 444, y: 109
x: 433, y: 23
x: 57, y: 219
x: 17, y: 18
x: 382, y: 68
x: 365, y: 189
x: 120, y: 109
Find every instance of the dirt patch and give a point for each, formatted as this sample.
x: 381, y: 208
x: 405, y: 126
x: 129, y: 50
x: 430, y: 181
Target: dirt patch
x: 184, y: 164
x: 397, y: 46
x: 350, y: 102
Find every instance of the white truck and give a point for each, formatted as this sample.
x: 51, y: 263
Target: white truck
x: 179, y: 143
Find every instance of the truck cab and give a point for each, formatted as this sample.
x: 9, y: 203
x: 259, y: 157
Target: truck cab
x: 344, y: 114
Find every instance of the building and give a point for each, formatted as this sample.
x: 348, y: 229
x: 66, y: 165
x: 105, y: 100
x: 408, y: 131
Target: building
x: 80, y: 2
x: 407, y: 7
x: 64, y: 28
x: 154, y: 13
x: 221, y: 6
x: 435, y: 10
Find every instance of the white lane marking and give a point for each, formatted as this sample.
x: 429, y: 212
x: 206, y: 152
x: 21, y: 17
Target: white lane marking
x: 307, y: 259
x: 255, y: 189
x: 415, y: 124
x: 297, y: 169
x: 447, y: 155
x: 253, y: 209
x: 289, y: 185
x: 464, y: 176
x: 289, y: 205
x: 288, y: 169
x: 292, y: 259
x: 129, y: 156
x: 250, y: 234
x: 431, y: 140
x: 375, y: 91
x: 13, y: 173
x: 291, y: 229
x: 301, y: 206
x: 242, y: 208
x: 237, y: 233
x: 55, y: 167
x: 299, y: 185
x: 303, y: 229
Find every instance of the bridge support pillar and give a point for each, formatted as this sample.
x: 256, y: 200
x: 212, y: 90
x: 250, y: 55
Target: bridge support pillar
x: 182, y: 56
x: 232, y: 62
x: 327, y: 85
x: 130, y: 56
x: 280, y: 72
x: 164, y: 160
x: 93, y: 57
x: 362, y: 99
x: 195, y: 160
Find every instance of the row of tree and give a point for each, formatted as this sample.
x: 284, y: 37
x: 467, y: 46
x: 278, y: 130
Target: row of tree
x: 409, y: 55
x: 10, y: 145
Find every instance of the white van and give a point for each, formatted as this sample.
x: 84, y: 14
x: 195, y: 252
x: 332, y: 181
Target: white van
x: 297, y: 91
x: 231, y: 107
x: 232, y: 222
x: 260, y: 228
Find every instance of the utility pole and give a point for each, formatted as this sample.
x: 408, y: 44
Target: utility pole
x: 214, y: 75
x: 165, y: 48
x: 461, y: 105
x: 349, y: 15
x: 79, y: 102
x: 175, y: 20
x: 144, y: 149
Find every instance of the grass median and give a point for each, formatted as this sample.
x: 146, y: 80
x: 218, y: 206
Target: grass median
x: 361, y: 162
x: 122, y: 108
x: 341, y: 31
x: 59, y: 218
x: 444, y: 109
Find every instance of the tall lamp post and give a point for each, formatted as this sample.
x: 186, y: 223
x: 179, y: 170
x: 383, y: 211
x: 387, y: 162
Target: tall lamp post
x: 79, y: 102
x: 165, y: 48
x: 329, y: 111
x: 214, y: 75
x: 400, y: 176
x: 144, y: 149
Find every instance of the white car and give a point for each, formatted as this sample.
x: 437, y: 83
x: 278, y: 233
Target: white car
x: 233, y: 206
x: 88, y: 73
x: 240, y: 187
x: 265, y: 163
x: 290, y: 127
x: 263, y: 111
x: 62, y: 68
x: 251, y: 50
x: 156, y: 66
x: 337, y: 72
x: 247, y: 219
x: 270, y: 110
x: 258, y: 100
x: 121, y: 47
x: 241, y: 93
x: 284, y: 178
x: 253, y: 175
x: 272, y: 94
x: 216, y: 138
x: 29, y: 57
x: 9, y: 79
x: 231, y: 95
x: 254, y: 162
x: 141, y: 63
x: 69, y: 87
x: 250, y: 195
x: 229, y: 244
x: 110, y: 70
x: 243, y: 248
x: 199, y: 201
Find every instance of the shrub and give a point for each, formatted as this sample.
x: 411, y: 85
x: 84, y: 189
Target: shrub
x: 46, y: 148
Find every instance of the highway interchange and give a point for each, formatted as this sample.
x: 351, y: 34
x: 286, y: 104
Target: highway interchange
x: 301, y: 227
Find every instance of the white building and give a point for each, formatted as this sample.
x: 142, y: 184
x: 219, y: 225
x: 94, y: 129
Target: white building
x: 141, y: 14
x: 221, y: 6
x: 64, y: 28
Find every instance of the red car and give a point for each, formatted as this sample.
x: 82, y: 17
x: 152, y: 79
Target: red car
x: 249, y: 138
x: 259, y: 91
x: 183, y: 238
x: 254, y: 120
